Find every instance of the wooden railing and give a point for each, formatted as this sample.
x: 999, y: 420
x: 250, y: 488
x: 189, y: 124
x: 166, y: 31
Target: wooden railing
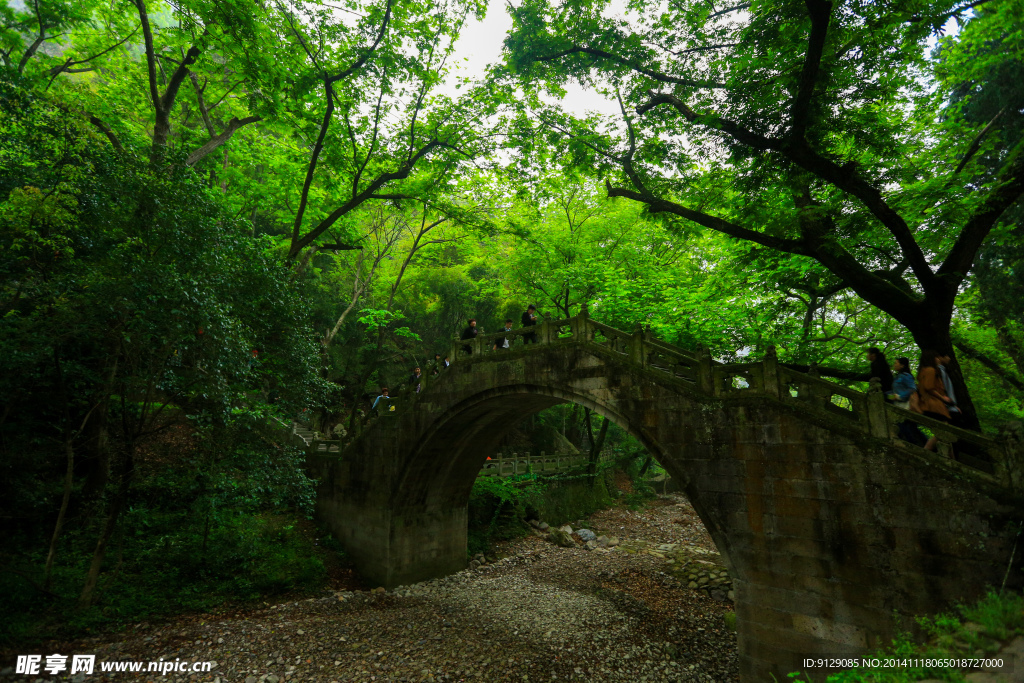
x: 836, y: 404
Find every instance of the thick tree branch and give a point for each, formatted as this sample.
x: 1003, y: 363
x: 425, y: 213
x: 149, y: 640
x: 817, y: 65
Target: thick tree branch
x: 826, y: 372
x: 705, y: 48
x: 31, y: 50
x: 147, y: 37
x: 176, y: 79
x: 1010, y: 189
x: 213, y: 143
x: 800, y: 152
x: 69, y: 64
x: 650, y: 73
x: 314, y: 158
x: 728, y: 10
x: 976, y: 143
x: 358, y: 64
x: 990, y: 363
x: 723, y: 226
x: 821, y: 14
x: 203, y: 111
x: 299, y: 243
x: 105, y: 129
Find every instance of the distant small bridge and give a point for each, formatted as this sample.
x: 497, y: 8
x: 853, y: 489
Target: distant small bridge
x: 828, y: 523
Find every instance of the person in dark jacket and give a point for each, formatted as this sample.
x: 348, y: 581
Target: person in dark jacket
x: 504, y: 343
x: 415, y: 380
x: 529, y: 320
x: 880, y: 369
x: 469, y: 334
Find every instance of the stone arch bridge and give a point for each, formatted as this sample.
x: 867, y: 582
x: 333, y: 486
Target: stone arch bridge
x: 828, y: 524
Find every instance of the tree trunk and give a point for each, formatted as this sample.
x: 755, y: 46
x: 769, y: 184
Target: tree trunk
x: 595, y: 447
x: 116, y: 505
x: 646, y: 466
x: 68, y: 480
x: 99, y: 473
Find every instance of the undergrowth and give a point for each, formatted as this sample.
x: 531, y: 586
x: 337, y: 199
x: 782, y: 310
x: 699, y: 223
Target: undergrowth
x: 224, y: 523
x: 974, y: 631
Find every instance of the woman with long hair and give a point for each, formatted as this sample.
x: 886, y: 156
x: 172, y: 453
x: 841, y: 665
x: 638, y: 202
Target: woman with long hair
x: 931, y: 392
x: 880, y: 369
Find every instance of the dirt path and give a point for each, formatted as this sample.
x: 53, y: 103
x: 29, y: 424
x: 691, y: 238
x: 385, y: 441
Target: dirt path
x: 541, y: 613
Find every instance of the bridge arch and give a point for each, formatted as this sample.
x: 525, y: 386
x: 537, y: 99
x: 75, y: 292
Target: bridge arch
x: 441, y: 469
x: 829, y: 523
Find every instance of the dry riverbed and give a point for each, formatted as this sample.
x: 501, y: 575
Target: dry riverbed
x: 539, y: 613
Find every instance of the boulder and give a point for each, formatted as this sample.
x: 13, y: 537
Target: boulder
x: 607, y: 541
x: 543, y: 526
x: 560, y: 538
x: 590, y: 545
x: 567, y: 529
x: 586, y: 535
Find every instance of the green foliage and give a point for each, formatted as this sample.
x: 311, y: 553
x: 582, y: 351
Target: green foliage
x: 223, y: 522
x: 977, y: 630
x: 497, y: 508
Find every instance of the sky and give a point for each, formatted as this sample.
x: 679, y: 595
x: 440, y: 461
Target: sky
x: 481, y: 42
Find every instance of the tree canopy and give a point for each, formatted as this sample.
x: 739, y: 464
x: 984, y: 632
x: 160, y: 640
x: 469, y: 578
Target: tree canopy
x: 215, y: 216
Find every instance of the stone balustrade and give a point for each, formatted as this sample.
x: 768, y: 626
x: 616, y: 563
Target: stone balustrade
x: 834, y: 403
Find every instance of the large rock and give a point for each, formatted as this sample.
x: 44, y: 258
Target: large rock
x: 586, y: 535
x: 566, y: 528
x: 560, y: 538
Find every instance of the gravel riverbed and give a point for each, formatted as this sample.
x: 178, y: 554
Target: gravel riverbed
x: 539, y: 613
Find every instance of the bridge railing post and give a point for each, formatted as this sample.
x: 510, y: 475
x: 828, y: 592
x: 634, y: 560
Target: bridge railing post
x: 545, y: 329
x: 453, y: 355
x: 878, y: 419
x: 770, y: 373
x: 637, y: 353
x: 705, y: 374
x: 1009, y: 458
x: 580, y: 325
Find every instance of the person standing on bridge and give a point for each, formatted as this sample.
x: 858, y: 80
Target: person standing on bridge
x: 416, y: 379
x: 956, y: 417
x: 504, y: 343
x: 903, y: 386
x: 529, y: 320
x: 383, y: 397
x: 932, y: 400
x: 469, y: 334
x: 880, y: 369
